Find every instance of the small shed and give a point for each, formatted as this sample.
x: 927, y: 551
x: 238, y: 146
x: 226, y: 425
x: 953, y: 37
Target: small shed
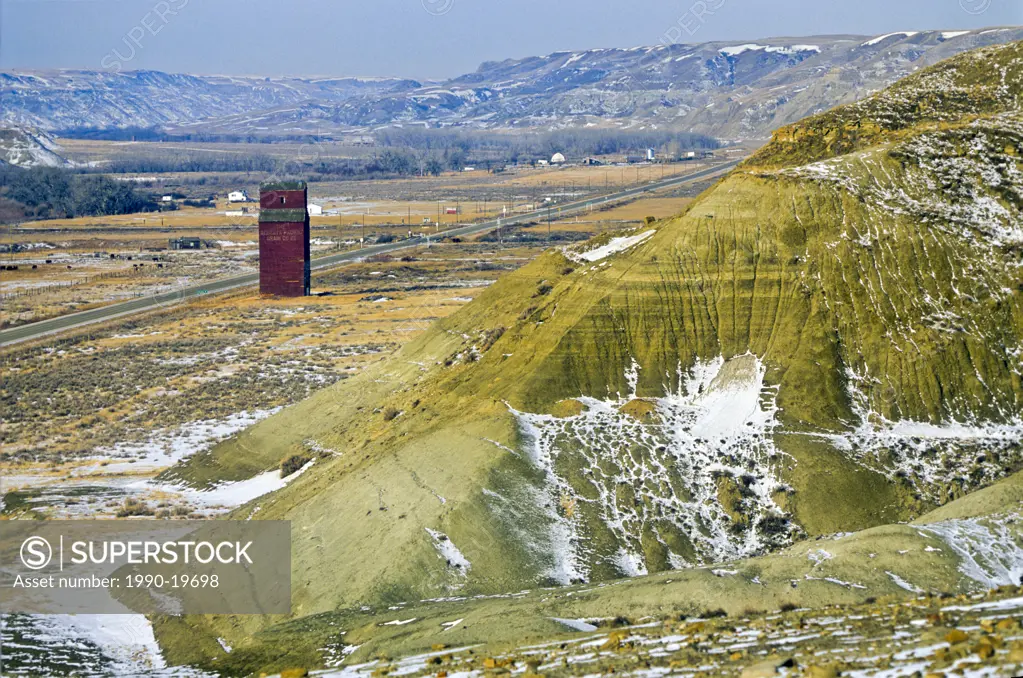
x: 185, y: 243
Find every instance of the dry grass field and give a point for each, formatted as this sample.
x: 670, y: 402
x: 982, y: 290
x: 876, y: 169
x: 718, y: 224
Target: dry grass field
x: 126, y: 400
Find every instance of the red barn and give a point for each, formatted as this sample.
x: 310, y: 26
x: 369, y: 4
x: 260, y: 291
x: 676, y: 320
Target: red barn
x: 284, y: 239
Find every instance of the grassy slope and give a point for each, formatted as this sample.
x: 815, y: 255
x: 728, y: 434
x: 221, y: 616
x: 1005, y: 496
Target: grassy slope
x: 497, y: 623
x: 809, y: 270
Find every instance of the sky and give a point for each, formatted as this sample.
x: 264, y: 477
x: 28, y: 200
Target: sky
x: 424, y: 39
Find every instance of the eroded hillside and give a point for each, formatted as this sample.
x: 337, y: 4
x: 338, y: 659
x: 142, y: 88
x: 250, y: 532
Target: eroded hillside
x: 828, y: 340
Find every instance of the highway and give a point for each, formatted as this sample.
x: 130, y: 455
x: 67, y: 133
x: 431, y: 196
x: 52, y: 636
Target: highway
x: 63, y: 323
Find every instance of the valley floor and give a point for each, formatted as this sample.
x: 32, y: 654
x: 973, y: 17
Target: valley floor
x: 129, y: 400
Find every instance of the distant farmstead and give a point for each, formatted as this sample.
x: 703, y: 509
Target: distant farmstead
x: 237, y: 196
x: 314, y: 210
x: 558, y: 159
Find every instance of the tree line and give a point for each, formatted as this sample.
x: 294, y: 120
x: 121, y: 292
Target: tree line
x: 576, y: 143
x: 51, y: 193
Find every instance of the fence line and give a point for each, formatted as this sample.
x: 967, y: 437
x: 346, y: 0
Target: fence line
x: 31, y: 291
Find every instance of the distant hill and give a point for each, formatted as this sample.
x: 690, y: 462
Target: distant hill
x: 29, y: 148
x: 68, y: 99
x: 724, y: 89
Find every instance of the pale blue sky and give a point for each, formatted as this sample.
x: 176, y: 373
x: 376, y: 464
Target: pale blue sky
x: 424, y: 38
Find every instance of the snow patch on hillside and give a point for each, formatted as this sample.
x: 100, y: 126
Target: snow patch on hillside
x: 447, y: 550
x: 736, y: 50
x: 881, y: 38
x: 989, y: 549
x: 662, y: 477
x: 233, y: 494
x: 613, y: 246
x: 928, y: 455
x: 87, y: 644
x: 167, y: 447
x: 964, y: 182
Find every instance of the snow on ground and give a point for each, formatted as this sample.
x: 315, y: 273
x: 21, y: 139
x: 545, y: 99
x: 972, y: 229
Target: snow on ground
x: 928, y: 455
x: 167, y: 447
x: 233, y: 494
x: 447, y: 550
x: 613, y: 246
x: 903, y: 584
x: 989, y: 550
x: 736, y: 50
x: 882, y: 38
x: 86, y: 644
x: 576, y: 624
x: 403, y: 667
x: 715, y: 428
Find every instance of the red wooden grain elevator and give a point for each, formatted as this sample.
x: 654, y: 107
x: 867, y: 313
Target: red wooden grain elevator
x: 284, y: 239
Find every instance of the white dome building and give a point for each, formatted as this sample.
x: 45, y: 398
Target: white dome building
x: 557, y: 159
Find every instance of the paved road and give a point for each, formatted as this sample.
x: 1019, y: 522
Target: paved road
x: 142, y: 304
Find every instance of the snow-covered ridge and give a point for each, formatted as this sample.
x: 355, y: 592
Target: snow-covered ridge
x: 30, y: 148
x: 669, y: 84
x: 881, y: 38
x: 736, y: 50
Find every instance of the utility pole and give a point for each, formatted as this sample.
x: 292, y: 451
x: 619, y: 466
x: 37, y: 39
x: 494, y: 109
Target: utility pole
x: 363, y: 230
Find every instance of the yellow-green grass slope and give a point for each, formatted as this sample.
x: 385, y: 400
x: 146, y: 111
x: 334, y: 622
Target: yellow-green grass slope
x: 827, y: 340
x: 888, y: 562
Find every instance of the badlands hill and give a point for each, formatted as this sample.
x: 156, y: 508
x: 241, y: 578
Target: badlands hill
x: 730, y: 90
x: 29, y: 148
x: 829, y: 340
